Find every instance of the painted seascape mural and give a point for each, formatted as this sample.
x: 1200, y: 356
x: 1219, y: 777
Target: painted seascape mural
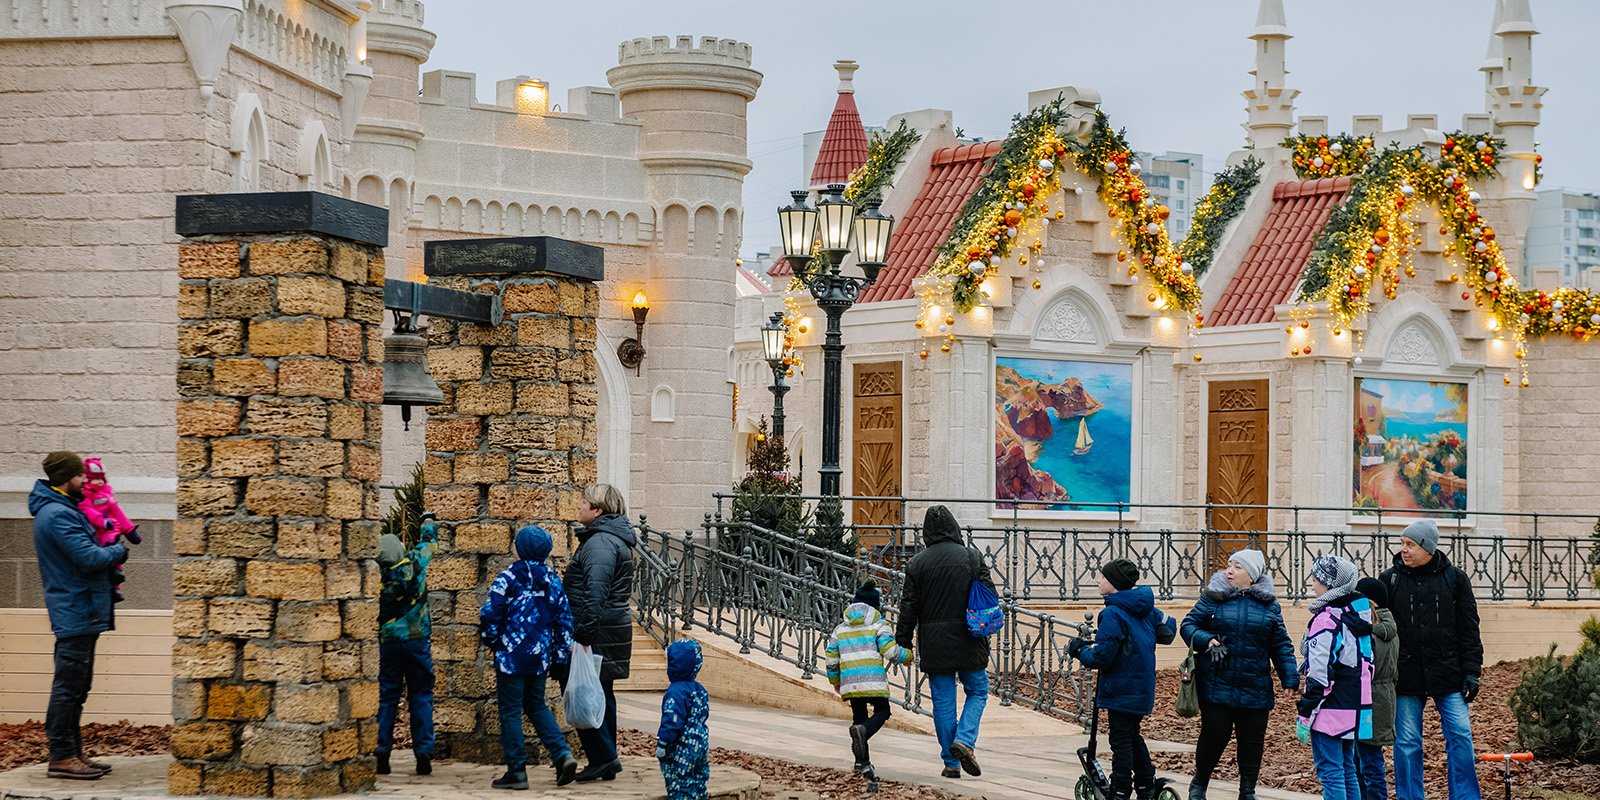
x: 1410, y: 446
x: 1063, y: 433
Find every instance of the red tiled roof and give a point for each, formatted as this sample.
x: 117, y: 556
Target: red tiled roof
x: 1271, y: 269
x: 844, y: 145
x: 779, y: 268
x: 954, y: 176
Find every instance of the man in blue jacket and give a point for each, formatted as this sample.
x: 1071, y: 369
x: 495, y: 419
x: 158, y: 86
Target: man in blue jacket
x: 76, y: 573
x: 1124, y: 651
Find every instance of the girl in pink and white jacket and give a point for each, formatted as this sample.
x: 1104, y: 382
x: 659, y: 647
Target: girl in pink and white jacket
x: 1335, y: 708
x: 99, y: 504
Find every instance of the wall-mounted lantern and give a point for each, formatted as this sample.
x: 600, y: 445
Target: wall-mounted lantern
x: 631, y: 351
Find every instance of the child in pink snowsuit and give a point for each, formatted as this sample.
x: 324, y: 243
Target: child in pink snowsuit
x: 99, y: 504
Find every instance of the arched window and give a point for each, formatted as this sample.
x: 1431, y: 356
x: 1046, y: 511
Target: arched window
x: 248, y: 143
x: 315, y: 164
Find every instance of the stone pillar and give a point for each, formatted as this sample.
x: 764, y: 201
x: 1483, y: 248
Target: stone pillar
x: 513, y: 444
x: 275, y: 604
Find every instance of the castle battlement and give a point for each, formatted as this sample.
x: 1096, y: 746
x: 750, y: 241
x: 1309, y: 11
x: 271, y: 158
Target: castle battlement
x: 710, y: 48
x: 407, y: 10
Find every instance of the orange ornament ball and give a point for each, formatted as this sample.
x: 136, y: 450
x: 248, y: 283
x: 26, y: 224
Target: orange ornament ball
x: 1198, y: 358
x: 923, y: 355
x: 1038, y: 285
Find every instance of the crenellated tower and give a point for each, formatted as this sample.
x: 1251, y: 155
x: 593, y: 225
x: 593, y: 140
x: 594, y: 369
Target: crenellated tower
x: 1269, y: 105
x: 690, y: 97
x: 1514, y: 108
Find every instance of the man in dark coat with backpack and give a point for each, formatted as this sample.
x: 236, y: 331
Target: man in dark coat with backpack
x: 933, y: 613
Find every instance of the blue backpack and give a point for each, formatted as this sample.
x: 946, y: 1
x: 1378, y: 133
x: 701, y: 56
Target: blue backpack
x: 984, y: 615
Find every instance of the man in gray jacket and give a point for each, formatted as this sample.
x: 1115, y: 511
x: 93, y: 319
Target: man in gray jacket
x: 76, y: 573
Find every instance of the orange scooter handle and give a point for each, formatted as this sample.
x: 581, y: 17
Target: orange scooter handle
x: 1505, y: 757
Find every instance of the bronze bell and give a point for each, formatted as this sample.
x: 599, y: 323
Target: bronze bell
x: 406, y: 381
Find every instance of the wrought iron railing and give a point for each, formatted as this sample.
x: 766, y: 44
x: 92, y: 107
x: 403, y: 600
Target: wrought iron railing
x: 782, y: 597
x: 1508, y: 556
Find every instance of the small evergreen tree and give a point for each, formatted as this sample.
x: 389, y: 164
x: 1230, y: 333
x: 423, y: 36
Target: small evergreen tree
x: 768, y: 496
x: 1557, y: 704
x: 405, y: 518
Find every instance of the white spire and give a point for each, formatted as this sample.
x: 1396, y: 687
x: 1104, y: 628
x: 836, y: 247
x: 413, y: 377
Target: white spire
x: 1518, y: 18
x: 847, y: 70
x: 1494, y: 57
x: 1270, y: 21
x: 1269, y: 105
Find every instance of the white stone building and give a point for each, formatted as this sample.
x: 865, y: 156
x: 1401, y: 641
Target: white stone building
x: 1252, y: 408
x: 112, y: 109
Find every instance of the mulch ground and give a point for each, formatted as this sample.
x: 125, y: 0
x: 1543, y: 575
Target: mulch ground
x: 1288, y: 764
x: 23, y: 743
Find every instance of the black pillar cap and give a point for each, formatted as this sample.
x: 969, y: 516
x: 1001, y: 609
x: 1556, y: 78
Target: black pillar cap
x: 282, y: 212
x: 509, y: 256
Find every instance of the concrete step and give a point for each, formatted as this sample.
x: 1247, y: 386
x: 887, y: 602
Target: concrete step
x: 647, y: 670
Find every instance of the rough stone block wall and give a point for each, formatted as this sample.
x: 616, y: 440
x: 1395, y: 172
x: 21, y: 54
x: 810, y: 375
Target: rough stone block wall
x: 275, y: 594
x: 513, y: 444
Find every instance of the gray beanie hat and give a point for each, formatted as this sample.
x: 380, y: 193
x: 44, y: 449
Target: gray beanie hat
x: 1425, y: 532
x: 1253, y: 561
x: 1336, y: 573
x: 390, y: 550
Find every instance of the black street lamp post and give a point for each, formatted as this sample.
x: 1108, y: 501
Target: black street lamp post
x: 772, y: 346
x: 836, y: 224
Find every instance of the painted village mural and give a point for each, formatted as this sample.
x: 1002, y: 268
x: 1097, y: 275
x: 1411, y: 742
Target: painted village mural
x: 1410, y: 445
x: 1063, y: 433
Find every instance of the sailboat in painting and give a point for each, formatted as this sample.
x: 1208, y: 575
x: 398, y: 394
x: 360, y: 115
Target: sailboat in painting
x: 1084, y: 440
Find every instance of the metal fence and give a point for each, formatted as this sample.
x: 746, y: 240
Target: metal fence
x: 1508, y: 556
x: 782, y: 597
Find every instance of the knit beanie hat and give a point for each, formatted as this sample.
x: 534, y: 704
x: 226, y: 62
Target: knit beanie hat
x: 869, y: 594
x: 1336, y: 573
x: 1121, y: 573
x: 1425, y: 532
x: 62, y: 466
x: 390, y: 550
x: 533, y: 543
x: 1253, y: 561
x: 1374, y: 590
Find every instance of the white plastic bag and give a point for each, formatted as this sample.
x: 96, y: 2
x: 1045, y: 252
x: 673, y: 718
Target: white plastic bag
x: 584, y: 702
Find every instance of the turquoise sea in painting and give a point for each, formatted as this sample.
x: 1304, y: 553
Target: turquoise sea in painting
x: 1105, y: 473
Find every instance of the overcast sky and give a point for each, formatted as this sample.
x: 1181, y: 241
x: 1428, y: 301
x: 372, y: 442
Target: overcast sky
x: 1170, y: 71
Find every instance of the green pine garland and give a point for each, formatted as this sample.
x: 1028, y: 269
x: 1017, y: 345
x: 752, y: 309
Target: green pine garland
x: 1225, y: 201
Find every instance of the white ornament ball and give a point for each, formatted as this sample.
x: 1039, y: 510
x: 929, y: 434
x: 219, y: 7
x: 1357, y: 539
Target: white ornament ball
x: 1135, y: 168
x: 1186, y: 267
x: 1405, y: 189
x: 1020, y: 206
x: 1594, y: 319
x: 1359, y: 270
x: 1523, y: 319
x: 1317, y: 162
x: 994, y: 259
x: 1477, y: 231
x: 1046, y: 164
x: 1377, y: 248
x: 943, y: 328
x: 1482, y: 145
x: 1491, y: 276
x: 1152, y: 228
x: 1557, y: 305
x: 1474, y: 196
x: 1111, y: 166
x: 1357, y: 359
x: 1011, y: 233
x: 1481, y: 246
x: 1557, y: 319
x: 976, y: 267
x: 1336, y: 148
x: 1077, y: 190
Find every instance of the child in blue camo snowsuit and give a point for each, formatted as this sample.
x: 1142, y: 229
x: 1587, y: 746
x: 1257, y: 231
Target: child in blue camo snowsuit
x: 683, y: 743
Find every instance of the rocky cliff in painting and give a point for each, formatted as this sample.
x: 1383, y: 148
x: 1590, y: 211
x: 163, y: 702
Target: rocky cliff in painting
x: 1022, y: 421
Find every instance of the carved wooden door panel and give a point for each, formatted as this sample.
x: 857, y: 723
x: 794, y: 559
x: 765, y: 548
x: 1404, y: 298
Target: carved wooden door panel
x: 1237, y: 466
x: 877, y: 456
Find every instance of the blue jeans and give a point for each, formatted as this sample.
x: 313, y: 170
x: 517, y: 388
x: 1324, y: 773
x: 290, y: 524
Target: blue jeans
x: 1462, y: 770
x: 519, y: 694
x: 1374, y: 774
x: 1336, y: 766
x: 945, y: 724
x: 406, y: 665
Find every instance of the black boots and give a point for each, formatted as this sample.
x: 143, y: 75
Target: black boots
x: 1197, y: 789
x: 515, y: 778
x: 383, y: 763
x: 424, y: 764
x: 1247, y: 788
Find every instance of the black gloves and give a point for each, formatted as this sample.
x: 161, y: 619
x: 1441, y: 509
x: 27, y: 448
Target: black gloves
x: 1469, y: 688
x: 1075, y: 646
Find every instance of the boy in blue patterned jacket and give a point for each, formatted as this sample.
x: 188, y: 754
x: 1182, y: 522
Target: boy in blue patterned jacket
x: 527, y: 622
x: 405, y: 656
x: 683, y: 743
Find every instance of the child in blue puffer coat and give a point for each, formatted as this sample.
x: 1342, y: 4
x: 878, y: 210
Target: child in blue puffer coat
x: 528, y: 624
x: 683, y: 743
x: 1124, y: 651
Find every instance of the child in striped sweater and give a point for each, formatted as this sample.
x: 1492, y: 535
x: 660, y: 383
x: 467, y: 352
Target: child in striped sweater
x: 856, y: 655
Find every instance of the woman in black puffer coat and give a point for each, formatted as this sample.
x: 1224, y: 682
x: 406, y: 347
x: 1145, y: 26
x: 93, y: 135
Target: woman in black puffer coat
x: 1238, y: 636
x: 599, y: 584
